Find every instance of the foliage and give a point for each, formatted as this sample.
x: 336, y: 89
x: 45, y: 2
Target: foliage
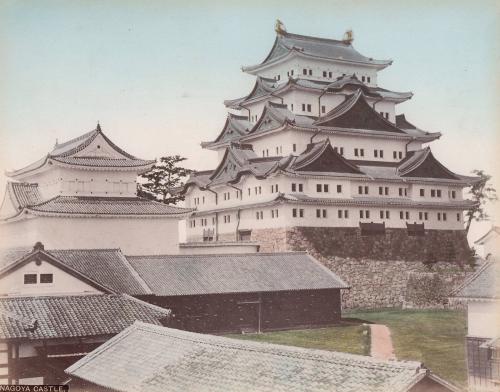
x: 430, y: 260
x: 434, y: 337
x: 344, y: 338
x: 481, y: 192
x: 164, y: 180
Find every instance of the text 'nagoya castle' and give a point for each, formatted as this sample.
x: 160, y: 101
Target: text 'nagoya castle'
x: 316, y: 150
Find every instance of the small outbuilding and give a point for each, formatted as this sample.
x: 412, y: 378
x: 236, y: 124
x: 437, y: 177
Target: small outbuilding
x: 242, y: 292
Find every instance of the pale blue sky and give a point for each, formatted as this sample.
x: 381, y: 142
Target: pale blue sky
x: 155, y: 73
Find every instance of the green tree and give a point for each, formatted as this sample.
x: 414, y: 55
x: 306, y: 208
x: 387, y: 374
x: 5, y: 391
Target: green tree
x: 164, y: 180
x: 481, y: 192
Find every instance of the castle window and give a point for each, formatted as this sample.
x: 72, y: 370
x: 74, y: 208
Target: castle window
x: 325, y: 188
x: 362, y: 78
x: 330, y: 74
x: 366, y: 190
x: 341, y: 149
x: 381, y: 153
x: 294, y: 212
x: 260, y: 190
x: 362, y: 152
x: 438, y: 192
x: 309, y: 107
x: 401, y: 215
x: 301, y: 213
x: 291, y: 72
x: 367, y: 214
x: 319, y: 188
x: 422, y: 192
x: 395, y: 154
x: 356, y: 152
x: 294, y: 187
x: 368, y: 79
x: 361, y: 214
x: 453, y: 194
x: 360, y: 190
x: 407, y: 215
x: 304, y: 71
x: 339, y: 213
x: 439, y: 216
x: 310, y: 72
x: 433, y: 193
x: 30, y: 278
x: 318, y: 213
x: 426, y: 216
x: 381, y: 214
x: 323, y: 109
x: 387, y: 215
x: 272, y: 188
x: 301, y: 188
x: 458, y: 217
x: 303, y: 107
x: 324, y: 213
x: 346, y: 213
x: 444, y: 216
x: 292, y: 106
x: 400, y: 191
x: 386, y: 191
x: 339, y: 188
x: 387, y: 116
x: 400, y: 153
x: 324, y: 74
x: 294, y: 147
x: 249, y: 191
x: 380, y: 190
x: 277, y: 150
x: 375, y: 153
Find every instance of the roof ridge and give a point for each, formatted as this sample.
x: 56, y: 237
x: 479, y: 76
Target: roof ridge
x: 264, y: 347
x: 218, y: 254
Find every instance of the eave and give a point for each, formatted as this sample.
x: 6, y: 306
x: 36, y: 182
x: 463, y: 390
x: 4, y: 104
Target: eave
x: 255, y: 69
x: 353, y: 202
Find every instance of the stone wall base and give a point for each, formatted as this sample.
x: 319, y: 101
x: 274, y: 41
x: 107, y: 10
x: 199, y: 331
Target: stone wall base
x: 383, y: 270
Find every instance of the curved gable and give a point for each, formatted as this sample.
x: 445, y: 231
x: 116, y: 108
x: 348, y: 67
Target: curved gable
x: 356, y: 113
x: 322, y: 157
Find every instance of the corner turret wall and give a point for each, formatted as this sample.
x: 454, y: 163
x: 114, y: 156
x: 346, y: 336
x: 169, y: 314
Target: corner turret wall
x: 386, y: 270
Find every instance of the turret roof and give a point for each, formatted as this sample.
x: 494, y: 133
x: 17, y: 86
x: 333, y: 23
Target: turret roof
x: 26, y: 198
x: 73, y: 153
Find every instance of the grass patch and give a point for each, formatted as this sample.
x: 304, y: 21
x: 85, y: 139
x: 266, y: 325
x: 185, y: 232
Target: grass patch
x: 344, y: 338
x: 434, y: 337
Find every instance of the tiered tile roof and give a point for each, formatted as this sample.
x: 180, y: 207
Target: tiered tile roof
x: 37, y: 318
x: 265, y: 88
x: 321, y: 159
x: 287, y: 44
x: 354, y: 116
x: 166, y: 359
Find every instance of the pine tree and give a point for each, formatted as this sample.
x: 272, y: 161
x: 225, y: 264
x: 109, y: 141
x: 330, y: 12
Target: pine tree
x: 164, y: 181
x: 481, y: 192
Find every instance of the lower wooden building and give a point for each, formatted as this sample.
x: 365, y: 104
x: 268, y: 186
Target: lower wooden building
x: 41, y: 336
x: 167, y: 359
x: 242, y: 292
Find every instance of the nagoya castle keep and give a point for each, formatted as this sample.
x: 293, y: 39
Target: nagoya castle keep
x: 317, y: 152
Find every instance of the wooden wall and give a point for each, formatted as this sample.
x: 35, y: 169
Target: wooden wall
x: 221, y: 313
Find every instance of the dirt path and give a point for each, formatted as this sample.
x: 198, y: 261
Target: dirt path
x: 381, y: 342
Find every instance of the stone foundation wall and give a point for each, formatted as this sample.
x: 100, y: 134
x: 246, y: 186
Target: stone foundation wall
x: 435, y: 245
x: 383, y: 270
